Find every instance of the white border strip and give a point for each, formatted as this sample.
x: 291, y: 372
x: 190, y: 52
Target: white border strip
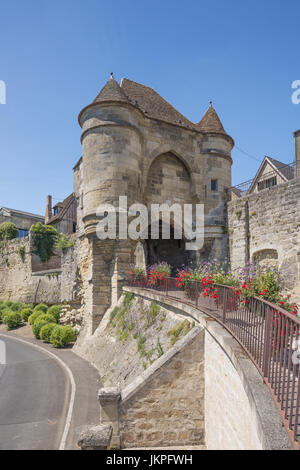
x: 72, y: 381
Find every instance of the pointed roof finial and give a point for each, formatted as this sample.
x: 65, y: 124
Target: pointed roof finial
x: 210, y: 103
x: 112, y: 76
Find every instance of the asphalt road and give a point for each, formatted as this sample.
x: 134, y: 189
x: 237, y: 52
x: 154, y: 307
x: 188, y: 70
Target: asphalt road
x: 34, y: 397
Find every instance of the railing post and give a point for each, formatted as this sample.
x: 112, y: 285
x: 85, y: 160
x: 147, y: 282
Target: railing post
x: 267, y: 342
x: 224, y: 304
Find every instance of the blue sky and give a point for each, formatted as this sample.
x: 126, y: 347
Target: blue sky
x: 56, y: 56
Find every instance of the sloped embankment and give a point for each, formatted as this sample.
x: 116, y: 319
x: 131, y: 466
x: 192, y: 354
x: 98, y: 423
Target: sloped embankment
x: 133, y: 336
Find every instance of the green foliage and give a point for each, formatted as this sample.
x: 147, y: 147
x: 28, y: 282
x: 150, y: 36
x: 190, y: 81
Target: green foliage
x: 159, y: 348
x: 268, y: 280
x: 17, y: 306
x: 44, y: 240
x: 180, y: 330
x: 113, y: 314
x: 8, y: 231
x: 12, y: 320
x: 37, y: 326
x: 25, y: 313
x: 151, y: 315
x: 128, y: 299
x: 21, y: 251
x: 64, y: 242
x: 61, y: 336
x: 42, y: 307
x: 46, y: 331
x: 48, y: 318
x: 226, y: 279
x: 55, y: 310
x: 32, y: 318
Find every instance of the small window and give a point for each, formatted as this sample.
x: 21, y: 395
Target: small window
x: 267, y: 183
x: 214, y: 185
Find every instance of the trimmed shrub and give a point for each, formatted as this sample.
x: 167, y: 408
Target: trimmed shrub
x: 48, y: 318
x: 4, y: 312
x: 12, y: 320
x: 61, y: 336
x: 55, y: 310
x: 32, y: 318
x: 25, y: 313
x: 37, y: 326
x: 42, y: 307
x: 17, y: 306
x: 46, y: 331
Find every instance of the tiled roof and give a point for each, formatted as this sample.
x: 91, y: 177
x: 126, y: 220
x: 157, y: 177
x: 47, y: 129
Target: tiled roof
x: 287, y: 171
x: 111, y: 92
x: 64, y: 206
x: 152, y: 104
x: 211, y: 122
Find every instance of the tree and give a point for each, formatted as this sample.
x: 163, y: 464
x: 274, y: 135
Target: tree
x: 8, y: 231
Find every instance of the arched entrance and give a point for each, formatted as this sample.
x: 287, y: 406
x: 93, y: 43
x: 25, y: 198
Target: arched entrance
x: 170, y: 251
x: 168, y: 182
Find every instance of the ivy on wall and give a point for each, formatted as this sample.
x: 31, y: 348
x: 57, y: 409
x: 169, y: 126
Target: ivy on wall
x: 44, y: 240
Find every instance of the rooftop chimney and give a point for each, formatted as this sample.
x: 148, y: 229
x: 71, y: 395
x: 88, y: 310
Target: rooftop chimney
x: 48, y: 213
x: 297, y: 152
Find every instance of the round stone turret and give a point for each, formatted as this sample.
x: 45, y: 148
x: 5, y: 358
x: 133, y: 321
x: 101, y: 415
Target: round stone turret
x: 111, y: 150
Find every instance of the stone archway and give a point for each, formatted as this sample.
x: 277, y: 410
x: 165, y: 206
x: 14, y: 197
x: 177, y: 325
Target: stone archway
x: 168, y: 182
x: 170, y: 251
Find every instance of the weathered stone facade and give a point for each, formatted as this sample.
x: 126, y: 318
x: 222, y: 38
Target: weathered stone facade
x: 151, y: 155
x: 264, y: 226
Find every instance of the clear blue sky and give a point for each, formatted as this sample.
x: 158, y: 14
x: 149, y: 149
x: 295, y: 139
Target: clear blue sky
x: 56, y: 56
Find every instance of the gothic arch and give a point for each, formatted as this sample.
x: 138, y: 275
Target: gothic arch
x: 161, y: 150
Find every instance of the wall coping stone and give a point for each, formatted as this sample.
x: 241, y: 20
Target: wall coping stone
x: 96, y: 437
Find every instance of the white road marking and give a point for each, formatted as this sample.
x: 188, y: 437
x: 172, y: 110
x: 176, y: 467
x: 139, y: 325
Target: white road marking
x: 73, y: 387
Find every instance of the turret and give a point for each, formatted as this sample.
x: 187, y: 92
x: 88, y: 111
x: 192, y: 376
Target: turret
x: 111, y: 152
x: 216, y: 148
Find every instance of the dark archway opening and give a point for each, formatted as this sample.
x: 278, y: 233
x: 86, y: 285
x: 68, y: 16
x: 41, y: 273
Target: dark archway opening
x: 170, y: 251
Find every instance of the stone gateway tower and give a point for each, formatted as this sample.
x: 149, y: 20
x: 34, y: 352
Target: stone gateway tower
x: 136, y: 144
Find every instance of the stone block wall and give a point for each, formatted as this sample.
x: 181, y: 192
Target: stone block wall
x: 266, y: 224
x: 230, y: 422
x: 168, y: 408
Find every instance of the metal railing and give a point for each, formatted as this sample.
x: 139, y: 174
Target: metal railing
x: 269, y: 335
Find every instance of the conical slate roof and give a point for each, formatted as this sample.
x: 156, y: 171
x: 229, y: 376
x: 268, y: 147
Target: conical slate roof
x: 211, y: 122
x: 111, y: 92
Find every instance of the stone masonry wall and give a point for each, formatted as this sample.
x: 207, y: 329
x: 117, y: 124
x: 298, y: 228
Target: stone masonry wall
x: 64, y: 285
x: 17, y: 281
x: 264, y: 221
x: 168, y: 410
x: 229, y: 419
